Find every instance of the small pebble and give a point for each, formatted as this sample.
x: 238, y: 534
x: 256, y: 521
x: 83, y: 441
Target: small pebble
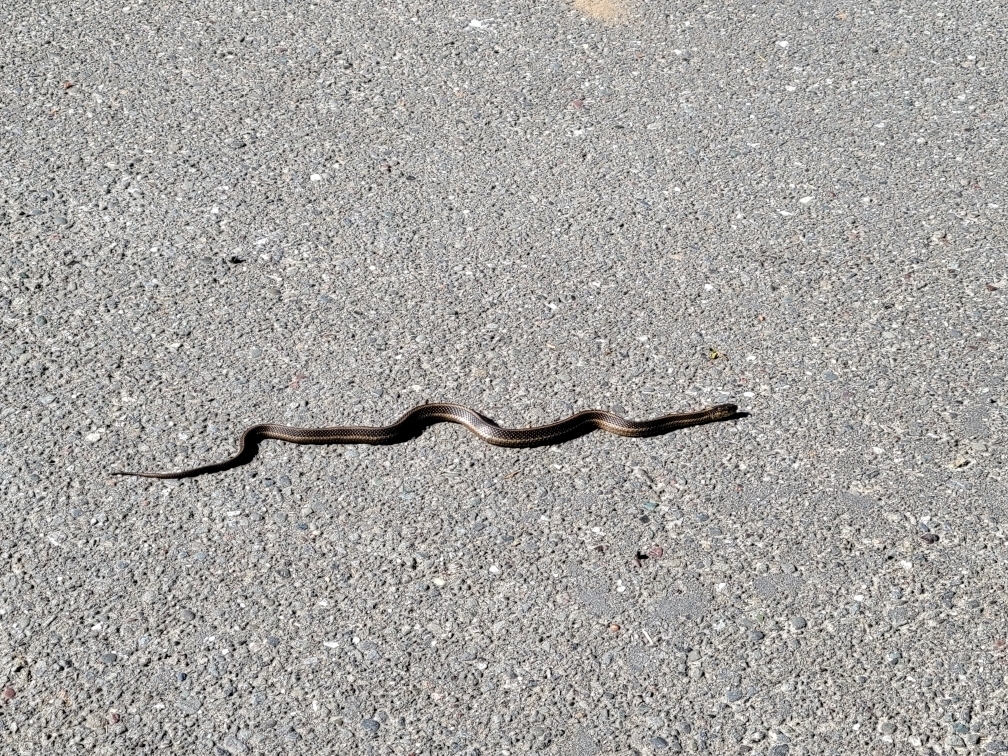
x: 188, y: 615
x: 189, y: 704
x: 108, y: 658
x: 756, y: 635
x: 929, y: 538
x: 370, y: 725
x: 9, y: 693
x: 733, y: 696
x: 41, y: 320
x: 798, y: 623
x: 659, y: 742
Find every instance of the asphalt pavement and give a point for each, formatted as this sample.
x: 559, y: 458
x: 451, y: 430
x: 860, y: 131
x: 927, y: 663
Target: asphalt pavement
x: 214, y: 215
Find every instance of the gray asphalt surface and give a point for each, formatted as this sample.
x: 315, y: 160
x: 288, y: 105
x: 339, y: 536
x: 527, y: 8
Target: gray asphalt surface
x: 216, y: 215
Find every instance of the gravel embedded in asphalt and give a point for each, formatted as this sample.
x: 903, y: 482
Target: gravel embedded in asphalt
x: 213, y: 216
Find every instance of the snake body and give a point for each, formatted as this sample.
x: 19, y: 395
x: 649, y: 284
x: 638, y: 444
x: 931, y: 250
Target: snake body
x: 417, y: 419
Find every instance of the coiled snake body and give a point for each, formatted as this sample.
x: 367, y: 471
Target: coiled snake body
x: 413, y: 423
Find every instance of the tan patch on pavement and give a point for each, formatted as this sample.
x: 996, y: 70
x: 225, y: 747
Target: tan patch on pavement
x: 603, y: 10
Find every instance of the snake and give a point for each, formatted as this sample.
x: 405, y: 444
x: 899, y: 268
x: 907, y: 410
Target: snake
x: 413, y: 423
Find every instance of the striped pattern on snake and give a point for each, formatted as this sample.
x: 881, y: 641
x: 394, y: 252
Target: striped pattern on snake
x: 417, y: 419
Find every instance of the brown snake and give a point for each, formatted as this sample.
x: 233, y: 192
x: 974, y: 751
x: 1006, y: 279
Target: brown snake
x: 413, y: 423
